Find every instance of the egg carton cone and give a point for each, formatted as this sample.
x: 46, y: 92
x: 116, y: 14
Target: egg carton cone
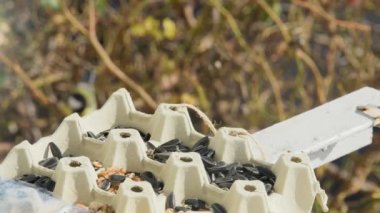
x: 183, y: 173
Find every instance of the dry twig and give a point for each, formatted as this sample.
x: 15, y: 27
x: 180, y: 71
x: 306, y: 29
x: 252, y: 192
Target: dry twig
x: 330, y: 18
x: 106, y: 59
x: 16, y: 68
x: 320, y: 86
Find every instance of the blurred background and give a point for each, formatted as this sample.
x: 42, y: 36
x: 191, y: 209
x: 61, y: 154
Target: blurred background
x: 246, y: 63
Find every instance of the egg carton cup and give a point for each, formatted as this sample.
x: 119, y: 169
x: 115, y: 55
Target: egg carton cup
x: 295, y: 190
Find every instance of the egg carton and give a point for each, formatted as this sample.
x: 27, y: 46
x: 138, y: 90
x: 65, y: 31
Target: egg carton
x: 295, y: 190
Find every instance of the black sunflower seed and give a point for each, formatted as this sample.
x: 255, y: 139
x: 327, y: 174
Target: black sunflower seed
x: 181, y: 208
x: 225, y: 186
x: 251, y: 170
x: 212, y: 177
x: 42, y: 182
x: 195, y: 204
x: 170, y: 201
x: 173, y: 142
x: 172, y: 148
x: 55, y: 150
x: 221, y: 163
x: 220, y: 175
x: 49, y: 163
x: 150, y: 145
x: 162, y: 157
x: 160, y: 186
x: 91, y: 134
x: 208, y: 162
x: 223, y: 180
x: 266, y: 172
x: 211, y: 153
x: 221, y: 168
x: 233, y: 170
x: 196, y: 149
x: 146, y: 137
x: 205, y: 141
x: 217, y: 208
x: 50, y: 185
x: 105, y: 185
x: 264, y: 178
x: 203, y: 151
x: 268, y: 188
x: 239, y: 177
x: 29, y: 178
x: 102, y: 135
x: 182, y: 148
x: 272, y: 180
x: 149, y: 176
x: 117, y: 178
x: 160, y: 149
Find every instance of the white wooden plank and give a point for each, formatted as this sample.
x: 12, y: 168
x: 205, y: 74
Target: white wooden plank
x: 326, y: 132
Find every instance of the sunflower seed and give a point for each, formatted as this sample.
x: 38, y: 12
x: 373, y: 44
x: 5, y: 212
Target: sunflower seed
x: 29, y: 178
x: 43, y: 182
x: 239, y: 177
x: 170, y: 143
x: 50, y: 185
x: 196, y: 149
x: 208, y: 162
x: 223, y: 180
x: 117, y: 178
x: 55, y: 150
x: 91, y: 134
x: 202, y: 150
x: 205, y: 141
x: 182, y: 148
x: 266, y: 172
x: 195, y: 204
x: 105, y: 185
x: 49, y: 163
x: 181, y: 208
x: 149, y: 176
x: 268, y: 188
x: 217, y: 208
x: 251, y: 170
x: 170, y: 201
x: 212, y: 177
x: 160, y: 186
x: 211, y: 153
x: 146, y: 137
x: 102, y: 135
x: 221, y: 168
x: 149, y: 145
x: 162, y: 157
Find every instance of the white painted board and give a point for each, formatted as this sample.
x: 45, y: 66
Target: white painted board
x: 325, y: 133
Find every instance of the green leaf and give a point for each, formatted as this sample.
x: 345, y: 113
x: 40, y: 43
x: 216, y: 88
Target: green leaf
x: 169, y: 28
x: 101, y: 5
x: 50, y: 4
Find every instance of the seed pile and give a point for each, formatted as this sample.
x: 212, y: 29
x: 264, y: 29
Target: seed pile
x: 111, y: 178
x: 162, y: 152
x: 191, y: 204
x: 221, y: 174
x: 40, y: 181
x: 52, y: 162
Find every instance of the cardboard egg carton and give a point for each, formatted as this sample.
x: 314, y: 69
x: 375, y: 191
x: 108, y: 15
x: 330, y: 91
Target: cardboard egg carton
x: 295, y: 190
